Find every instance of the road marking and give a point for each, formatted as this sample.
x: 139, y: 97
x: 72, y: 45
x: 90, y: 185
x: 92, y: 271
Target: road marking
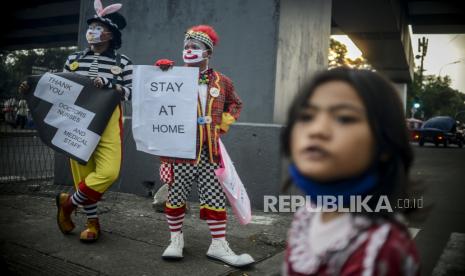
x: 414, y: 231
x: 11, y: 178
x: 263, y: 220
x: 452, y: 260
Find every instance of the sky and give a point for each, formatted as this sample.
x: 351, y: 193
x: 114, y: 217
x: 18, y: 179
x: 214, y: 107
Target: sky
x: 445, y: 55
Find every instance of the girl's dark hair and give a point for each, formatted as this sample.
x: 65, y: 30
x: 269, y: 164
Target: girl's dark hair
x: 387, y: 123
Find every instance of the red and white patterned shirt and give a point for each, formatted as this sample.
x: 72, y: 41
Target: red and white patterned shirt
x: 367, y: 248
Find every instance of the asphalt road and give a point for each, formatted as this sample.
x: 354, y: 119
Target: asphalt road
x: 441, y: 236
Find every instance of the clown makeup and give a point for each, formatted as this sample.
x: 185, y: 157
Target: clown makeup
x: 194, y: 51
x: 97, y: 33
x: 332, y: 138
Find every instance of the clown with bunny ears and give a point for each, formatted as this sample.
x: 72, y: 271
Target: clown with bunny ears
x: 112, y: 70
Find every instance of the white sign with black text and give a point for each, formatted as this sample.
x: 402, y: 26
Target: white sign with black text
x: 71, y: 120
x: 164, y: 104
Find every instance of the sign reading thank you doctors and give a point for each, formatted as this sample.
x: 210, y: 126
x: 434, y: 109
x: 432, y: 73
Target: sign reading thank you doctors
x: 70, y: 112
x: 164, y: 105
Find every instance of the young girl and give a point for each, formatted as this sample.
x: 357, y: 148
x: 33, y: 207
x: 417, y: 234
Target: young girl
x: 347, y: 141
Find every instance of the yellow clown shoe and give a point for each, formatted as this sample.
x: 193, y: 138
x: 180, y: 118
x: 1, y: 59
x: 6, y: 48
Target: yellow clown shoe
x: 92, y: 232
x: 64, y: 210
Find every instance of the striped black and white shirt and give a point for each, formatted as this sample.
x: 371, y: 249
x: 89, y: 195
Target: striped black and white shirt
x: 92, y: 64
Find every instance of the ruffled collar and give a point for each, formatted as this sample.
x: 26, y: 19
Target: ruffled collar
x: 301, y: 256
x: 205, y: 76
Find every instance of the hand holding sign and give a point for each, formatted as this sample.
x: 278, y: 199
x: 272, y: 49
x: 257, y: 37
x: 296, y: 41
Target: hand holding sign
x: 164, y: 64
x: 98, y: 82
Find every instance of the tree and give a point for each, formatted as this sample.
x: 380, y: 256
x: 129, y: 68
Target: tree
x: 338, y: 57
x: 436, y: 96
x: 15, y: 66
x: 433, y: 93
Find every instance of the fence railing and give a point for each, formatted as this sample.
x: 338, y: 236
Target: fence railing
x: 26, y: 163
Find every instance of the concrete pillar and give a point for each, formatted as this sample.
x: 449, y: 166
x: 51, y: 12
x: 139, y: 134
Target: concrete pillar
x: 303, y: 45
x: 402, y: 89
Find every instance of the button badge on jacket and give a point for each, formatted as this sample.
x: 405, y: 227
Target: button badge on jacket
x: 73, y: 66
x: 115, y: 70
x: 214, y: 92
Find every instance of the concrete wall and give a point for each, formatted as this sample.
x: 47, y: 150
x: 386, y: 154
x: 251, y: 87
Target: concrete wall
x: 267, y: 47
x: 260, y: 41
x: 254, y: 149
x: 246, y: 51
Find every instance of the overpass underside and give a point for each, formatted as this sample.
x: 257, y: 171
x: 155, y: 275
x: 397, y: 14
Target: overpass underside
x: 379, y: 28
x: 40, y: 24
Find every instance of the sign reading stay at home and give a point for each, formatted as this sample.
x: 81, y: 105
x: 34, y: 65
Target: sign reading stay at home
x: 164, y: 116
x: 70, y: 112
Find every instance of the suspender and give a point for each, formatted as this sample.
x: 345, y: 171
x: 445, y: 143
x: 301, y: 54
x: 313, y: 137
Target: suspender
x: 78, y: 56
x: 118, y: 63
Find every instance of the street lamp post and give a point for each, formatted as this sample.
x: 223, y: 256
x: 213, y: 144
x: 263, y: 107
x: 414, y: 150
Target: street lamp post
x: 450, y: 63
x: 422, y: 49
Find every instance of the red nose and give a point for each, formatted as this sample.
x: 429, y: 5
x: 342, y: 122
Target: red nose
x: 189, y: 51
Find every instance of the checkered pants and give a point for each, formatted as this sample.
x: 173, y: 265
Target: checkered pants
x: 211, y: 193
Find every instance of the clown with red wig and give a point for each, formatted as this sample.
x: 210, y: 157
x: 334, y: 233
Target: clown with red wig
x: 218, y: 106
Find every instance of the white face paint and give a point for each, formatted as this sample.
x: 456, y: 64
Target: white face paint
x: 192, y: 56
x: 94, y: 34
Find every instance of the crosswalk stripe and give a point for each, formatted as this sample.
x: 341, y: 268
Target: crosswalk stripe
x: 263, y: 220
x: 452, y: 260
x: 414, y: 231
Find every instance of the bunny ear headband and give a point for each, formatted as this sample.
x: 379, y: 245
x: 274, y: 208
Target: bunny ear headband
x: 107, y: 10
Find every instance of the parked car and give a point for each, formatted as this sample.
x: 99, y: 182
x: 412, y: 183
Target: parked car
x: 441, y: 130
x: 412, y: 125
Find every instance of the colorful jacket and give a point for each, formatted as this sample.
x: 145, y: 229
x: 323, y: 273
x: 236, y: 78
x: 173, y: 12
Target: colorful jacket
x: 224, y: 107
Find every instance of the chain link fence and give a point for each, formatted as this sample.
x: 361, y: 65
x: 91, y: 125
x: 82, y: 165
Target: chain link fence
x: 26, y: 164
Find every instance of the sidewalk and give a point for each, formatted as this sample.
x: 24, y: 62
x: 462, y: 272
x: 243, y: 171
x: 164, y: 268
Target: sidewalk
x: 133, y: 239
